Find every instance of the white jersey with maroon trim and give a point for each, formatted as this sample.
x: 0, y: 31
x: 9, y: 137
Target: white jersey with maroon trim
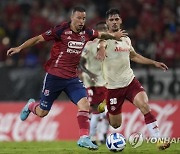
x: 92, y: 64
x: 116, y: 66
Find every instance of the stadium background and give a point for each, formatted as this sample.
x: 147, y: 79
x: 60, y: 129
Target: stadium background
x: 152, y: 25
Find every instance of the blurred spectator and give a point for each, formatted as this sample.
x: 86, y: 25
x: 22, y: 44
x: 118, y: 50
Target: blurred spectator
x: 153, y: 25
x: 167, y: 49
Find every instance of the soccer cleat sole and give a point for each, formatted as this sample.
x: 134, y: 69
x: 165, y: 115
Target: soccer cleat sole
x: 86, y: 143
x: 88, y: 147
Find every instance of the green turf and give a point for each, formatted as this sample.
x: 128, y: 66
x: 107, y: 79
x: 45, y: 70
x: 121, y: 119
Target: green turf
x: 70, y: 147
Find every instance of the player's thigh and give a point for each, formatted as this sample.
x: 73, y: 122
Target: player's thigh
x: 137, y: 95
x: 133, y: 89
x: 46, y: 101
x: 83, y: 104
x: 52, y: 88
x: 76, y: 92
x: 96, y: 95
x: 141, y: 101
x: 115, y: 99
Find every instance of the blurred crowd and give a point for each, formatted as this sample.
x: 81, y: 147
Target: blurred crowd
x: 152, y: 25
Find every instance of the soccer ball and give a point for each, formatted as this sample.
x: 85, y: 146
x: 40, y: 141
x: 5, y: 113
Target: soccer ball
x: 115, y: 142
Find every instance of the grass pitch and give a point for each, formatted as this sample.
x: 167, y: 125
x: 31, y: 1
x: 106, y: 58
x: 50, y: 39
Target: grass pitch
x: 70, y: 147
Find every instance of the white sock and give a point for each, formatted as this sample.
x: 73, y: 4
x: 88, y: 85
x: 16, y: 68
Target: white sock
x: 153, y: 129
x: 106, y: 110
x: 102, y: 128
x: 105, y: 123
x: 83, y: 136
x: 93, y: 125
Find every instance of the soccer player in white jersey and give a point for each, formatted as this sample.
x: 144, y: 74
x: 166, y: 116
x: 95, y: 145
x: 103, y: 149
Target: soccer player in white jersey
x: 121, y: 81
x: 95, y: 85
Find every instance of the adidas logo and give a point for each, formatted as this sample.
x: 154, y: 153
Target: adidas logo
x: 155, y: 127
x: 69, y: 37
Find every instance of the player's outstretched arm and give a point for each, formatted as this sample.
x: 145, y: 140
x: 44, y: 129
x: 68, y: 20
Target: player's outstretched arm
x: 143, y: 60
x: 84, y: 69
x: 117, y: 35
x: 30, y: 42
x: 101, y: 54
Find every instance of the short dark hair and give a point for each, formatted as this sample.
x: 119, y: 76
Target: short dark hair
x: 79, y: 9
x: 100, y: 23
x: 101, y: 26
x: 111, y: 12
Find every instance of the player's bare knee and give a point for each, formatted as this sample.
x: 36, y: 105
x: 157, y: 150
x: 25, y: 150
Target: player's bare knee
x: 115, y: 126
x: 84, y: 105
x: 87, y: 105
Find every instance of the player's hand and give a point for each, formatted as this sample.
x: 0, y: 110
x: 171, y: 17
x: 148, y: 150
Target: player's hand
x: 120, y: 33
x: 13, y: 51
x: 161, y: 65
x: 101, y: 54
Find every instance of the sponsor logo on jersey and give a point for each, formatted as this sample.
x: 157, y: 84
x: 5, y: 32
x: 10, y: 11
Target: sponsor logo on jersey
x: 81, y: 33
x: 83, y: 39
x: 113, y: 108
x: 73, y: 51
x: 44, y: 103
x: 93, y: 31
x: 75, y: 45
x: 48, y: 32
x: 119, y: 49
x: 46, y: 92
x: 141, y: 87
x: 68, y: 32
x: 69, y: 38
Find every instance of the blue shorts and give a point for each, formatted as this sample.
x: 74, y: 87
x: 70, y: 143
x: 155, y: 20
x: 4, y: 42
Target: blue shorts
x: 54, y: 85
